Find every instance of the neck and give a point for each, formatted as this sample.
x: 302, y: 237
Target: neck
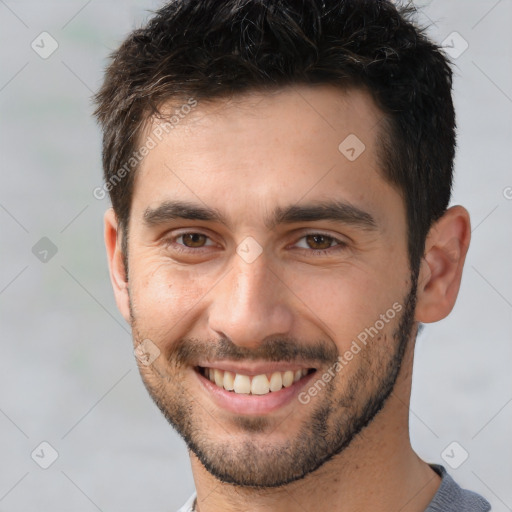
x: 378, y: 471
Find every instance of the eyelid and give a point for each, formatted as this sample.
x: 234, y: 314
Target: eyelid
x: 337, y: 237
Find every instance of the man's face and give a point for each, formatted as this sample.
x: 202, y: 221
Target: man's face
x: 273, y: 290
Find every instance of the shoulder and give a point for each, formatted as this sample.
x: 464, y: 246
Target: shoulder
x: 188, y: 506
x: 450, y: 497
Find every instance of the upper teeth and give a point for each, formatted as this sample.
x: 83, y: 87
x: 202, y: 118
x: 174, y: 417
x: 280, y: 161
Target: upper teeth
x: 256, y: 385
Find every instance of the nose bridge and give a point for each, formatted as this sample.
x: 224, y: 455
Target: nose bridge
x: 250, y: 304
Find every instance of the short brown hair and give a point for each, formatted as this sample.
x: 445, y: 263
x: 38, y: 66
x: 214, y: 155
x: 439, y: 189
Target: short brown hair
x: 209, y: 49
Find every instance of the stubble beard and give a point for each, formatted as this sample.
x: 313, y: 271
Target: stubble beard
x: 339, y: 412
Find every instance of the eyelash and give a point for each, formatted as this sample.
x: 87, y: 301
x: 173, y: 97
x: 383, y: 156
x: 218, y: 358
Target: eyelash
x: 182, y: 249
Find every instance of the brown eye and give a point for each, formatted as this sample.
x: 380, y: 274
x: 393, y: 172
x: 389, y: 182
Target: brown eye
x: 319, y: 242
x: 193, y: 239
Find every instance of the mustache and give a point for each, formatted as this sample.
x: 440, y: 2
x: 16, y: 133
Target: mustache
x: 188, y: 351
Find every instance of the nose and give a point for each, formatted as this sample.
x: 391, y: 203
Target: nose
x: 250, y: 304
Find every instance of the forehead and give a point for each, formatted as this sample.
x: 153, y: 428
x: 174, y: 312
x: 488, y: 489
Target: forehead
x: 253, y: 152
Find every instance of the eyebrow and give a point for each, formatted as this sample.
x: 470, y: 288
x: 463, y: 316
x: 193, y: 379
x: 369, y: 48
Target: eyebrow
x: 337, y: 211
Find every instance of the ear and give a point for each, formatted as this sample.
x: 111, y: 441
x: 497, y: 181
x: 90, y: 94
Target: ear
x: 118, y: 276
x: 440, y: 274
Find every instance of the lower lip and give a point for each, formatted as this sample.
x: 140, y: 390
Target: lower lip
x: 242, y: 403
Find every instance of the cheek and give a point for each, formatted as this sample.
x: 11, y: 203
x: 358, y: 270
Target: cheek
x: 164, y: 295
x: 347, y: 304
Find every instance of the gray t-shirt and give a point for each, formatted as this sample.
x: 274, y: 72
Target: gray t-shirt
x: 450, y: 497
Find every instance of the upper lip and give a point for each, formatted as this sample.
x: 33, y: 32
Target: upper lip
x: 254, y: 368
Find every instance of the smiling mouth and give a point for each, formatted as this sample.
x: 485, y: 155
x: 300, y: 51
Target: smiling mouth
x: 253, y: 384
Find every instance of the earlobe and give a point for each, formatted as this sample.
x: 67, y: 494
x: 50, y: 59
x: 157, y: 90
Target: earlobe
x: 117, y: 270
x: 441, y: 268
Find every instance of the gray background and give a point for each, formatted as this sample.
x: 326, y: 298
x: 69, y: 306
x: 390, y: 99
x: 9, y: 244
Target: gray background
x: 67, y: 371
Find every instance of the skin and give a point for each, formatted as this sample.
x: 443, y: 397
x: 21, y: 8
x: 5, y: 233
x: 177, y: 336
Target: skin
x: 245, y: 157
